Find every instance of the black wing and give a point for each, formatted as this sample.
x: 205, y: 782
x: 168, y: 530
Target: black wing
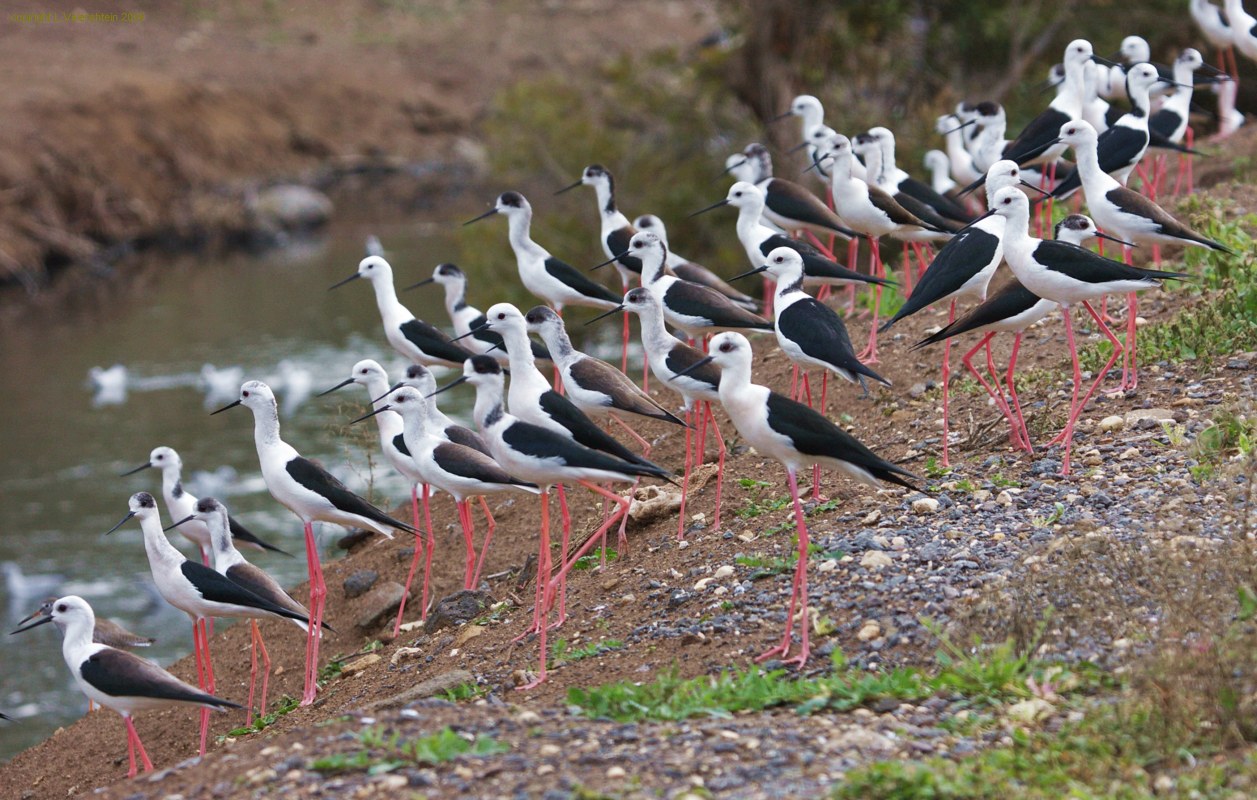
x: 941, y: 203
x: 576, y: 279
x: 467, y: 463
x: 433, y: 342
x: 539, y: 351
x: 1008, y: 302
x: 815, y: 264
x: 814, y: 435
x: 1035, y: 138
x: 318, y: 480
x: 264, y: 586
x: 821, y: 334
x: 957, y: 261
x: 1132, y: 202
x: 791, y: 201
x: 399, y: 442
x: 242, y: 534
x: 459, y: 434
x: 618, y: 242
x: 1081, y: 264
x: 933, y: 220
x: 584, y: 430
x: 681, y: 357
x: 118, y: 673
x: 540, y: 442
x: 219, y: 589
x: 695, y: 300
x: 1117, y: 147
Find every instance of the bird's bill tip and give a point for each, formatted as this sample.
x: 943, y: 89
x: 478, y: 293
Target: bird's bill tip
x: 370, y: 414
x: 711, y: 207
x: 471, y: 332
x: 702, y: 362
x: 174, y: 525
x: 1115, y: 239
x: 782, y: 115
x: 121, y: 522
x: 40, y: 620
x: 340, y: 385
x: 569, y: 187
x: 341, y: 283
x: 750, y: 272
x: 606, y: 314
x: 423, y: 282
x: 488, y: 213
x: 140, y: 468
x: 460, y: 379
x: 1037, y: 188
x: 226, y: 407
x: 608, y: 261
x: 797, y: 147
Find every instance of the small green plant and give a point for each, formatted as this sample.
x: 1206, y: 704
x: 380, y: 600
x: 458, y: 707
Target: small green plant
x: 465, y: 691
x: 764, y: 566
x: 444, y: 745
x: 560, y: 651
x: 934, y: 469
x: 1002, y: 482
x: 592, y: 560
x: 263, y: 721
x: 1040, y: 521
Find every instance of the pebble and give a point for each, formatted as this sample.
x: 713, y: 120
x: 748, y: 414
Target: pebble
x: 1111, y: 424
x: 457, y: 608
x: 380, y: 603
x: 869, y: 631
x: 925, y: 505
x: 359, y: 664
x: 360, y: 582
x: 616, y: 772
x: 875, y: 560
x: 723, y: 572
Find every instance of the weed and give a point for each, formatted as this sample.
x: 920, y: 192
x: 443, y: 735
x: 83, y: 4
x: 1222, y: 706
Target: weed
x: 1040, y: 521
x: 1002, y: 482
x: 465, y: 691
x: 934, y: 469
x: 560, y: 651
x: 592, y: 560
x: 263, y: 721
x: 444, y: 745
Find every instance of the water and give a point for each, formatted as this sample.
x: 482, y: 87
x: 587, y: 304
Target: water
x: 62, y: 453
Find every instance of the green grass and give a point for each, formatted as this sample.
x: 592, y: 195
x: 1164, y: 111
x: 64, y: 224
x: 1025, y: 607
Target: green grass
x: 561, y: 652
x: 263, y: 721
x: 384, y: 751
x: 465, y: 691
x: 592, y: 560
x: 990, y: 675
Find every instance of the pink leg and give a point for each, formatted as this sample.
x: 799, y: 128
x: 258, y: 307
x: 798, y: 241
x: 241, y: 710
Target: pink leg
x: 623, y: 507
x: 816, y: 468
x: 1130, y: 367
x: 794, y: 383
x: 798, y: 594
x: 1191, y: 164
x: 566, y: 518
x: 634, y: 434
x: 1020, y: 439
x: 685, y: 479
x: 624, y: 347
x: 134, y: 736
x: 1012, y: 391
x: 266, y: 670
x: 907, y: 269
x: 700, y: 441
x: 869, y: 355
x: 414, y: 562
x: 543, y: 581
x: 720, y: 460
x: 253, y: 671
x: 951, y: 317
x: 1076, y: 408
x: 318, y: 596
x: 807, y: 389
x: 209, y: 686
x: 488, y: 537
x: 967, y: 360
x: 469, y: 543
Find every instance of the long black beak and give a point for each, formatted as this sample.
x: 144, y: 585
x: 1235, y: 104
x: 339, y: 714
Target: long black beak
x: 369, y: 414
x: 961, y: 126
x: 568, y: 188
x: 782, y: 116
x: 488, y: 213
x: 1123, y: 242
x: 224, y: 408
x: 42, y: 620
x: 816, y: 163
x: 1057, y: 140
x: 353, y: 277
x: 797, y: 147
x: 700, y: 363
x: 472, y: 332
x: 391, y: 389
x: 1049, y: 85
x: 1176, y: 83
x: 423, y: 282
x: 1105, y: 61
x: 133, y: 471
x: 174, y: 525
x: 1036, y: 188
x: 340, y: 385
x: 727, y: 170
x: 711, y: 207
x: 608, y: 261
x: 39, y: 612
x: 750, y: 272
x: 121, y: 522
x: 606, y: 314
x: 450, y: 385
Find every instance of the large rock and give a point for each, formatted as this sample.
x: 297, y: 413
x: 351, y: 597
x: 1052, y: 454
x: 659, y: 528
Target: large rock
x: 428, y: 688
x: 359, y: 583
x: 289, y: 207
x: 380, y: 604
x: 457, y: 608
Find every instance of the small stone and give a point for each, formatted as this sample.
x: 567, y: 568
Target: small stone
x: 457, y: 608
x: 394, y: 783
x: 981, y: 496
x: 359, y: 664
x: 429, y: 688
x: 1033, y: 709
x: 380, y: 603
x: 875, y: 560
x: 702, y: 584
x: 683, y: 545
x: 549, y: 749
x: 467, y: 633
x: 925, y: 505
x: 917, y: 390
x: 1157, y: 414
x: 723, y: 572
x: 869, y: 631
x: 528, y: 717
x: 1004, y: 498
x: 1111, y: 424
x: 405, y: 652
x: 873, y: 517
x: 828, y: 565
x: 616, y: 772
x: 1128, y: 454
x: 1163, y: 784
x: 360, y: 582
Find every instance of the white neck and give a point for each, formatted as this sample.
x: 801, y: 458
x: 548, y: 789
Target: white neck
x: 161, y: 553
x: 518, y: 224
x: 1095, y: 182
x: 77, y: 637
x: 391, y: 308
x: 265, y: 426
x: 225, y: 553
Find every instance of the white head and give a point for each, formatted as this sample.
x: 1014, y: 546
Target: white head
x: 784, y: 264
x: 367, y: 372
x: 512, y: 204
x: 1135, y: 49
x: 595, y: 174
x: 1001, y: 175
x: 882, y: 135
x: 806, y: 105
x: 1076, y: 228
x: 1077, y: 53
x: 741, y: 167
x: 421, y: 378
x: 946, y: 123
x: 1078, y: 133
x: 214, y: 515
x: 745, y: 195
x: 1011, y: 204
x: 643, y: 302
x: 503, y: 317
x: 257, y: 396
x: 483, y: 371
x: 409, y: 402
x: 142, y: 506
x: 650, y: 250
x: 543, y: 321
x: 1191, y: 57
x: 820, y: 135
x: 1141, y: 77
x: 375, y: 268
x: 162, y: 458
x: 652, y: 223
x: 937, y: 161
x: 69, y: 613
x: 449, y: 275
x: 732, y: 353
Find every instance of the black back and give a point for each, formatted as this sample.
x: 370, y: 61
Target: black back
x: 433, y: 341
x: 1008, y: 302
x: 318, y: 480
x: 943, y: 204
x: 583, y: 429
x: 821, y: 334
x: 121, y: 674
x: 242, y: 534
x: 956, y: 262
x: 618, y: 242
x: 815, y: 264
x: 576, y: 279
x: 540, y: 442
x: 219, y: 589
x: 681, y: 357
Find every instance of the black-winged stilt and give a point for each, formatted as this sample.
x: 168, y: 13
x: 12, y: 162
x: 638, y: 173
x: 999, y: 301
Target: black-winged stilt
x: 798, y: 437
x: 106, y: 632
x: 115, y: 678
x: 692, y: 271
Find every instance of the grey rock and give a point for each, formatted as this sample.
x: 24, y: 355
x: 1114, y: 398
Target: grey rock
x: 360, y: 582
x: 380, y: 603
x: 457, y: 608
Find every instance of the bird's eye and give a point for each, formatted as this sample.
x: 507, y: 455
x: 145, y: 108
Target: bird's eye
x: 244, y: 394
x: 779, y: 259
x: 501, y: 315
x: 159, y: 458
x: 638, y: 245
x: 62, y: 607
x: 726, y: 347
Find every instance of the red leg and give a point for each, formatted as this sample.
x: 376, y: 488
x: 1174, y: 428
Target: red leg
x: 816, y: 468
x: 1012, y: 391
x: 624, y: 348
x: 634, y: 434
x: 623, y: 504
x: 798, y: 594
x: 700, y: 441
x: 794, y: 383
x: 469, y: 543
x: 566, y: 518
x: 869, y: 355
x: 131, y: 772
x: 266, y: 671
x: 720, y: 462
x: 1076, y: 411
x: 253, y: 671
x: 209, y: 686
x: 1020, y: 439
x: 685, y: 479
x: 1191, y: 164
x: 807, y: 389
x: 488, y: 537
x: 907, y: 269
x: 967, y: 360
x: 951, y: 317
x: 853, y: 253
x: 133, y: 734
x: 318, y: 596
x: 414, y: 562
x: 543, y: 581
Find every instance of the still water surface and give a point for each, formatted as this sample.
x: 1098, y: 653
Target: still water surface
x: 61, y: 454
